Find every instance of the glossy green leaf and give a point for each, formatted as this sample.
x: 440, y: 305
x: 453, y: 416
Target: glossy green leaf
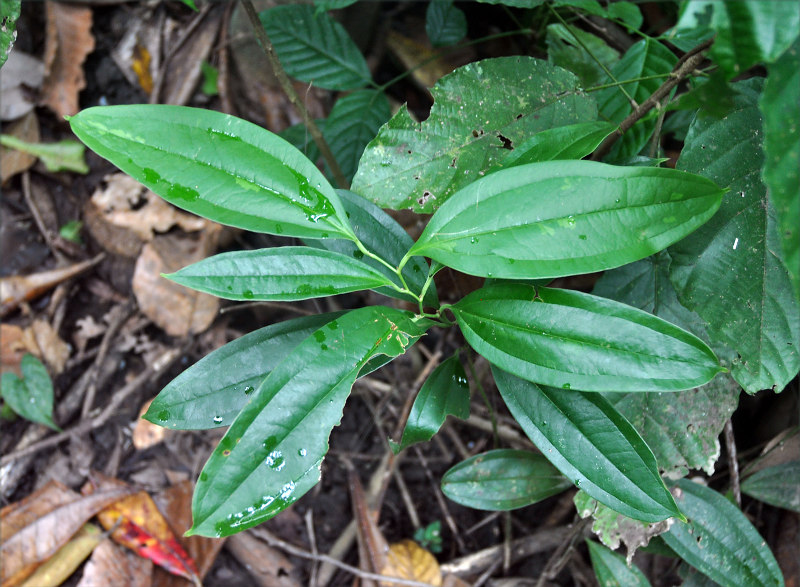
x: 9, y: 13
x: 218, y: 166
x: 281, y: 274
x: 720, y: 541
x: 560, y: 218
x: 501, y: 480
x: 574, y: 340
x: 747, y: 32
x: 211, y: 392
x: 444, y: 393
x: 591, y: 444
x: 383, y: 236
x: 32, y: 395
x: 611, y: 569
x: 565, y: 48
x: 272, y: 452
x: 480, y: 112
x: 301, y: 139
x: 444, y: 23
x: 734, y: 261
x: 314, y: 48
x: 778, y: 485
x: 354, y: 122
x: 781, y: 170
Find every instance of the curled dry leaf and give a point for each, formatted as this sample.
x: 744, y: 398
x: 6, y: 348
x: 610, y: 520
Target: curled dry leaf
x: 268, y: 566
x: 408, y: 560
x: 69, y: 557
x: 43, y: 341
x: 14, y: 161
x: 12, y: 348
x: 112, y: 565
x: 145, y: 433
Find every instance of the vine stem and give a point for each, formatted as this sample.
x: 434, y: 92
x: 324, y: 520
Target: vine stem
x: 286, y: 85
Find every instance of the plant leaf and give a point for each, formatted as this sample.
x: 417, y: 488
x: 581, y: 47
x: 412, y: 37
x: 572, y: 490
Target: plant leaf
x: 383, y: 236
x: 591, y: 444
x: 719, y: 540
x: 565, y: 51
x: 32, y: 396
x: 739, y: 247
x: 627, y: 12
x: 301, y: 139
x: 314, y: 48
x: 354, y: 122
x: 782, y: 154
x: 502, y: 480
x: 218, y: 166
x: 479, y: 111
x: 9, y: 12
x: 511, y: 225
x: 272, y: 453
x: 574, y: 340
x: 611, y: 569
x: 445, y: 392
x: 778, y: 485
x: 280, y: 274
x: 65, y: 155
x: 444, y: 23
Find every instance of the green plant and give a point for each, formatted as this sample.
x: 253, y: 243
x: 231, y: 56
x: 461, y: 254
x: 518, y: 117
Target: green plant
x: 498, y: 163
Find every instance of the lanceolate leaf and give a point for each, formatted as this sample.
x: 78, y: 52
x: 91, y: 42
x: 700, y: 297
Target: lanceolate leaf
x: 734, y: 261
x: 560, y: 218
x: 31, y: 396
x: 211, y: 392
x: 271, y: 454
x: 279, y: 274
x: 218, y: 166
x: 501, y: 480
x: 445, y: 392
x: 573, y: 340
x: 611, y: 569
x: 480, y: 112
x: 778, y: 485
x: 720, y: 541
x: 314, y: 48
x: 592, y: 445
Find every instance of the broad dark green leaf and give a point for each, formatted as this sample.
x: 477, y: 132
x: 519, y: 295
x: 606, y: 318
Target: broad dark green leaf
x: 730, y: 271
x: 591, y: 444
x: 444, y: 393
x: 781, y: 170
x: 218, y: 166
x: 444, y: 23
x: 301, y: 139
x: 720, y: 541
x: 515, y: 3
x: 31, y: 396
x: 778, y: 485
x: 480, y: 112
x: 354, y: 122
x: 747, y: 31
x: 574, y: 340
x: 567, y: 51
x: 272, y: 452
x: 501, y: 480
x: 611, y: 569
x: 9, y: 12
x: 211, y: 392
x: 627, y: 12
x: 383, y: 236
x: 588, y: 6
x: 314, y: 48
x: 560, y: 218
x: 281, y: 274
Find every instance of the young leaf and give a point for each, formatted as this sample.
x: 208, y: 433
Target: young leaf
x: 32, y: 396
x: 480, y: 112
x: 611, y: 569
x: 565, y: 51
x: 281, y: 274
x: 444, y: 23
x: 314, y: 48
x: 445, y: 392
x: 501, y: 480
x: 218, y: 166
x: 734, y: 261
x: 383, y: 236
x: 591, y: 444
x: 560, y: 218
x: 272, y: 453
x: 719, y: 540
x: 778, y: 485
x: 574, y: 340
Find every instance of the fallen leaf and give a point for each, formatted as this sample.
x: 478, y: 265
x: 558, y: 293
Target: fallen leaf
x: 372, y: 545
x: 68, y: 40
x: 141, y: 67
x: 67, y: 559
x: 12, y: 161
x: 176, y: 309
x: 44, y: 342
x: 111, y: 565
x: 136, y: 523
x: 408, y: 560
x: 15, y: 516
x: 22, y: 77
x: 145, y: 433
x: 268, y: 566
x: 30, y: 396
x: 66, y: 155
x: 87, y: 329
x: 12, y: 348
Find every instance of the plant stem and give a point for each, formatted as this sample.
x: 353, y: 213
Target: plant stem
x: 287, y: 87
x: 627, y: 81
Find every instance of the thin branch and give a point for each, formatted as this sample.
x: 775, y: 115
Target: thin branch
x: 733, y: 463
x: 287, y: 87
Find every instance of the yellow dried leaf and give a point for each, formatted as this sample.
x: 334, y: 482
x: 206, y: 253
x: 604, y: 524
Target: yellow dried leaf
x: 408, y: 560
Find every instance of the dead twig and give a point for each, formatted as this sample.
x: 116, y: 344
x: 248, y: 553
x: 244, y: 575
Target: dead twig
x: 733, y: 463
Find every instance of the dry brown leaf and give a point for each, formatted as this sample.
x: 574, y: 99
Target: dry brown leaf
x: 372, y: 546
x: 13, y: 161
x: 22, y: 76
x: 268, y: 566
x: 454, y: 581
x: 43, y: 341
x: 408, y: 560
x: 87, y: 329
x: 414, y: 55
x: 68, y: 40
x: 12, y: 348
x: 176, y: 309
x: 15, y: 516
x: 145, y: 433
x: 69, y: 557
x: 111, y: 565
